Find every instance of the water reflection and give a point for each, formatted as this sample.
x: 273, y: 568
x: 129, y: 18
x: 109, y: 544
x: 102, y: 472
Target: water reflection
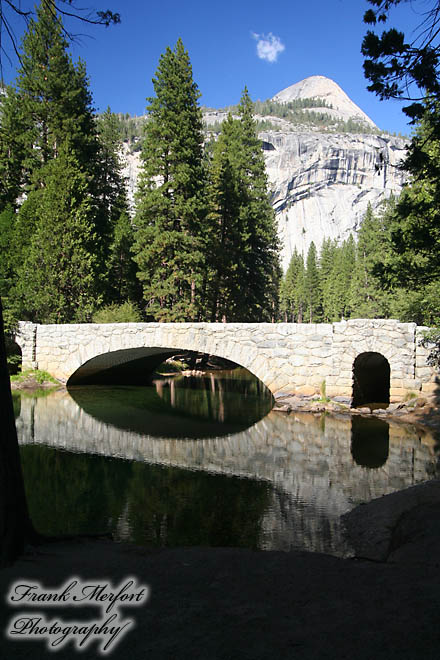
x: 282, y: 483
x: 188, y: 407
x: 223, y: 396
x: 146, y: 504
x: 370, y: 441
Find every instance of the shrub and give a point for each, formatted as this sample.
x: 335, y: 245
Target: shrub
x: 431, y: 340
x: 38, y: 375
x: 128, y: 312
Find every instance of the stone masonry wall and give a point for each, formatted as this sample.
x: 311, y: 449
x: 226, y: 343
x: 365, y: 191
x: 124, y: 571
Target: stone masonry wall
x: 26, y: 339
x: 285, y: 356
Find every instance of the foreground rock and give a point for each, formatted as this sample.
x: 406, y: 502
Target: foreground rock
x: 223, y: 603
x: 403, y: 526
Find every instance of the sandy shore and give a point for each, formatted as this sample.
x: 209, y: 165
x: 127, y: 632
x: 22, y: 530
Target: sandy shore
x: 226, y: 603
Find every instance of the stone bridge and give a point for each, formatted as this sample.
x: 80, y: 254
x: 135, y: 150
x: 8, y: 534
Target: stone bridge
x: 368, y: 359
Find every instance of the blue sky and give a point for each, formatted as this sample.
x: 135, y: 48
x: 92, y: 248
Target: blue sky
x: 266, y: 46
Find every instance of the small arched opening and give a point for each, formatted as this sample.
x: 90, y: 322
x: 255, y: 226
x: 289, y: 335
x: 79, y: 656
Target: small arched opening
x: 371, y: 380
x: 13, y: 355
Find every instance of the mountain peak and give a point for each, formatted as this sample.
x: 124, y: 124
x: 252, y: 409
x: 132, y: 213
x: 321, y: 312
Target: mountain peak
x: 326, y: 89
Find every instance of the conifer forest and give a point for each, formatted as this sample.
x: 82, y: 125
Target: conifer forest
x: 201, y: 243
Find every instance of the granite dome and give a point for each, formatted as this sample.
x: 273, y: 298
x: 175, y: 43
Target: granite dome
x: 320, y: 87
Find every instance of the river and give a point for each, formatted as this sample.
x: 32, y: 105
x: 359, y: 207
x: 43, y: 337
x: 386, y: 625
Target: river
x: 205, y: 461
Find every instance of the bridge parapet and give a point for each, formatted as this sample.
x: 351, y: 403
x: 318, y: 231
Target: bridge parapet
x: 285, y: 356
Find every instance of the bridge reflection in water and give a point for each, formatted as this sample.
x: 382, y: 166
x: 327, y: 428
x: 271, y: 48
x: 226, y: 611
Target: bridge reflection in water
x: 305, y: 470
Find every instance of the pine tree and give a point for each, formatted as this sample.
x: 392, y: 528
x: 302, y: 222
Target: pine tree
x: 52, y: 105
x: 346, y: 269
x: 326, y: 259
x: 123, y: 285
x: 421, y: 305
x: 24, y: 229
x: 313, y: 294
x: 7, y: 223
x: 301, y: 293
x: 112, y: 207
x: 329, y: 250
x: 243, y: 240
x: 53, y: 96
x: 169, y: 242
x: 12, y: 149
x: 259, y: 265
x: 368, y: 299
x: 58, y: 279
x: 225, y: 245
x: 292, y: 290
x: 337, y: 288
x: 413, y: 257
x: 110, y: 180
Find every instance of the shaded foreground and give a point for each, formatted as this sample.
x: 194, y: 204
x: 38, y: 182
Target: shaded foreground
x: 230, y: 603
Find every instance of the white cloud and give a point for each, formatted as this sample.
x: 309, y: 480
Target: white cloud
x: 268, y: 46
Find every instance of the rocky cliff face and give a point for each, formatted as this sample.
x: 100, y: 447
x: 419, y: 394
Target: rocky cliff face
x: 321, y: 184
x: 321, y: 181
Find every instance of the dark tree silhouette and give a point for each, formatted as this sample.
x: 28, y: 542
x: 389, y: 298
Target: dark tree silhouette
x: 404, y: 69
x: 16, y: 529
x: 15, y: 525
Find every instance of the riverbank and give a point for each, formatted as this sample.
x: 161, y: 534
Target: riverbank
x: 33, y: 379
x: 226, y: 603
x: 416, y: 410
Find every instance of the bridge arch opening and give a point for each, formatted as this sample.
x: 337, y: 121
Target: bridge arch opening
x: 136, y: 366
x: 131, y: 366
x: 14, y: 356
x: 194, y: 402
x: 371, y: 379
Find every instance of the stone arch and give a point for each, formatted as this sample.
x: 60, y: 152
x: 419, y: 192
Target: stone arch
x: 371, y: 379
x: 109, y: 345
x: 132, y: 366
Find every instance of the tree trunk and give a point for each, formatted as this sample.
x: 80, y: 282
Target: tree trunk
x: 15, y: 525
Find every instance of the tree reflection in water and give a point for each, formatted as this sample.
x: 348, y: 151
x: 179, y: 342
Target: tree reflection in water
x: 123, y: 460
x: 217, y: 396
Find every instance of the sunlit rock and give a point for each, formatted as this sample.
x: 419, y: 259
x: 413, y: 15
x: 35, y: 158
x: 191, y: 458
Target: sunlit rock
x: 321, y: 181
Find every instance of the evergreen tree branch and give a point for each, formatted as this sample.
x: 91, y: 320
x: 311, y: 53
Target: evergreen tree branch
x: 399, y: 69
